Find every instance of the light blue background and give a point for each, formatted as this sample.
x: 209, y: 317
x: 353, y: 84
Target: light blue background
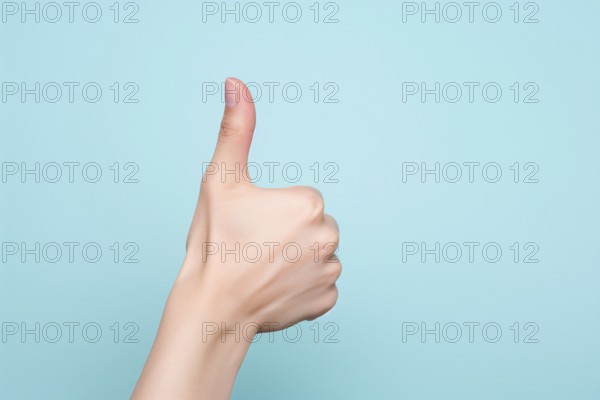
x: 369, y: 133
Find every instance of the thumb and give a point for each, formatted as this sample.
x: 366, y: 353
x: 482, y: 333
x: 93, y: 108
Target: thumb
x: 237, y: 126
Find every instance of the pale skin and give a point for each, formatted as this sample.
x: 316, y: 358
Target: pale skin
x: 218, y: 303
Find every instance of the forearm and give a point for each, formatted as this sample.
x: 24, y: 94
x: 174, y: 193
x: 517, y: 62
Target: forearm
x: 188, y: 360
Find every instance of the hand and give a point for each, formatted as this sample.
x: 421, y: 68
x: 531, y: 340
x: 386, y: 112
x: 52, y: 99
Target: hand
x: 258, y: 258
x: 271, y: 248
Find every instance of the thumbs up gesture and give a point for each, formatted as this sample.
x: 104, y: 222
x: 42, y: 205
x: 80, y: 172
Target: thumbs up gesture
x: 269, y: 251
x: 257, y: 260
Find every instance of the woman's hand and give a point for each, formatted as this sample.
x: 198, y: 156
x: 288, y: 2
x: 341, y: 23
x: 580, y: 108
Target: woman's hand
x: 257, y: 260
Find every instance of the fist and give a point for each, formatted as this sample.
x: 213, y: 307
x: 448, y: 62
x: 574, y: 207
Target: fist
x: 260, y: 256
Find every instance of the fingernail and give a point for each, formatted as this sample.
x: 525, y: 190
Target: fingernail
x: 231, y: 95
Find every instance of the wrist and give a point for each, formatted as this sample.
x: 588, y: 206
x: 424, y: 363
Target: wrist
x: 200, y: 345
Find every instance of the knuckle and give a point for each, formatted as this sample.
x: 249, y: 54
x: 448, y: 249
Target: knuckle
x: 325, y: 303
x: 328, y: 239
x: 330, y: 299
x: 228, y: 128
x: 333, y: 272
x: 332, y: 235
x: 336, y: 271
x: 314, y: 201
